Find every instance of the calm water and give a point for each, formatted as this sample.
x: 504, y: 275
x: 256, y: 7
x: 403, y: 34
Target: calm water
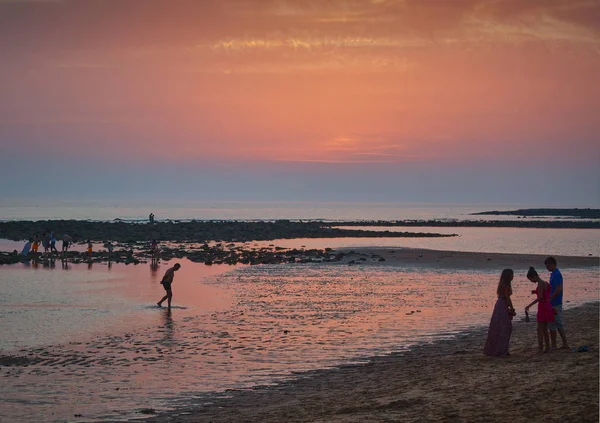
x: 102, y: 349
x: 107, y: 352
x: 22, y: 209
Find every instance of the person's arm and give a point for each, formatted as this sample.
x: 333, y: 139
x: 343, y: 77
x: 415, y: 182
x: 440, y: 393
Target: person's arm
x: 509, y: 302
x: 532, y: 303
x: 557, y: 291
x: 540, y: 294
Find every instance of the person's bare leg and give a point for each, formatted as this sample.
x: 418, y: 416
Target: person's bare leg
x: 553, y: 339
x: 563, y: 338
x: 169, y: 297
x: 546, y: 336
x: 162, y: 299
x: 540, y: 337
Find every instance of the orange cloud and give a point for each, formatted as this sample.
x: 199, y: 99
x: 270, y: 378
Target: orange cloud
x: 337, y: 81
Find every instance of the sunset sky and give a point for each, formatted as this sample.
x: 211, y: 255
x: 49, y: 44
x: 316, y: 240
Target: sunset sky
x: 400, y: 100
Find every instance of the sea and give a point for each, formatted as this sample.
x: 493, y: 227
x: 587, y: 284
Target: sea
x: 87, y: 343
x: 131, y: 210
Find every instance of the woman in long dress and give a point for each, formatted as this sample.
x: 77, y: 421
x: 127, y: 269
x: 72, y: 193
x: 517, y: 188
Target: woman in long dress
x: 500, y: 329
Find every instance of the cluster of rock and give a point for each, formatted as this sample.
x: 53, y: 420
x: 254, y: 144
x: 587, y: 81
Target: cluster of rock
x: 586, y: 213
x: 193, y: 231
x: 217, y: 254
x: 453, y: 223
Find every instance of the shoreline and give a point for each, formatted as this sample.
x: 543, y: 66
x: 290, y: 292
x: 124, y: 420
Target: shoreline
x: 419, y: 257
x: 441, y: 381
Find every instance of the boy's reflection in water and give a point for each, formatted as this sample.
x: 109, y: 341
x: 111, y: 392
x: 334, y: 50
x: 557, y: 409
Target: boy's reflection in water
x: 168, y: 329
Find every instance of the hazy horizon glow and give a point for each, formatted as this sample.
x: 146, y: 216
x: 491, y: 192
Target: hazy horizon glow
x: 307, y: 85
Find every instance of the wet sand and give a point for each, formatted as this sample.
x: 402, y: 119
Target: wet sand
x: 457, y: 259
x: 447, y: 380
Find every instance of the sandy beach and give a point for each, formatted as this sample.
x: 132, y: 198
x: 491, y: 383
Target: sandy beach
x: 443, y: 381
x: 458, y: 259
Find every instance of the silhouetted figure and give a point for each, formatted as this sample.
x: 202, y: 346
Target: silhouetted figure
x: 166, y: 282
x: 154, y: 249
x: 556, y: 299
x: 36, y: 244
x: 53, y: 243
x: 500, y: 329
x: 26, y: 247
x: 151, y: 218
x: 109, y: 248
x: 66, y: 242
x: 46, y: 242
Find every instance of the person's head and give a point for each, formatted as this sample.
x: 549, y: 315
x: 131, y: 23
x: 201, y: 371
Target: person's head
x: 505, y: 279
x: 550, y: 263
x: 177, y: 266
x: 532, y: 275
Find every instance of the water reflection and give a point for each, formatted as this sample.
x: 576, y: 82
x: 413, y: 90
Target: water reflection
x: 271, y: 320
x: 49, y: 262
x: 168, y: 329
x: 65, y: 264
x: 154, y: 271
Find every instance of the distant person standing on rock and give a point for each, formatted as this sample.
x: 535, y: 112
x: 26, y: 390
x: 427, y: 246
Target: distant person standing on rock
x: 36, y: 244
x: 26, y: 248
x: 151, y: 218
x: 166, y: 282
x: 109, y: 247
x: 53, y: 243
x: 46, y: 242
x: 66, y: 242
x: 154, y: 249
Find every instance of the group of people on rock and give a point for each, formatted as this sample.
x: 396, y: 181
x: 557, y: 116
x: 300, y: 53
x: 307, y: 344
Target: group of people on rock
x: 549, y: 296
x: 48, y: 241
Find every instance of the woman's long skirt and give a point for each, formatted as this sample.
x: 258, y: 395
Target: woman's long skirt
x: 499, y: 331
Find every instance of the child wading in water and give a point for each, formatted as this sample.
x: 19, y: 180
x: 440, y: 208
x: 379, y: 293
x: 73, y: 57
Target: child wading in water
x: 545, y: 313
